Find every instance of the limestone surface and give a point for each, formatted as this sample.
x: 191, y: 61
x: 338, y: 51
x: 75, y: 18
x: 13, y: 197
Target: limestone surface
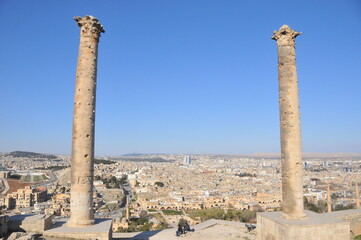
x: 82, y: 169
x: 291, y: 144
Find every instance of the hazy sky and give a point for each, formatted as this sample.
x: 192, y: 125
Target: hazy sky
x: 185, y: 76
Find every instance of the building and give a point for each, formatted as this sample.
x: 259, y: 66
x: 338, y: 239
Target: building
x: 187, y: 160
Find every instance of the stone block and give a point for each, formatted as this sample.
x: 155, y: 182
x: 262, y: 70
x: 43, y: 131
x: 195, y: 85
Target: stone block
x: 271, y: 226
x: 37, y: 223
x: 101, y: 230
x: 29, y: 223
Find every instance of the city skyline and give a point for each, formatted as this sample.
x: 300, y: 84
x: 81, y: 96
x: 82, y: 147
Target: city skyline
x: 180, y: 77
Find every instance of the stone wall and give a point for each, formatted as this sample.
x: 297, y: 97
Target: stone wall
x: 353, y: 216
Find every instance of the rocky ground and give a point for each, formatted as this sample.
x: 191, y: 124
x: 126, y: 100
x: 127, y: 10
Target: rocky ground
x: 208, y: 230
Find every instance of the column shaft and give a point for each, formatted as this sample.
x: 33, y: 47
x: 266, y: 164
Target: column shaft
x: 82, y: 165
x: 329, y: 203
x: 291, y: 144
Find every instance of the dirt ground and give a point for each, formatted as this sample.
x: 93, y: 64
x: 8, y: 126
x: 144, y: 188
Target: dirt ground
x: 14, y: 185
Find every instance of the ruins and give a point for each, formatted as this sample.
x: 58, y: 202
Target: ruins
x: 82, y: 223
x: 293, y: 222
x: 291, y: 145
x: 82, y: 167
x: 357, y: 200
x: 329, y: 203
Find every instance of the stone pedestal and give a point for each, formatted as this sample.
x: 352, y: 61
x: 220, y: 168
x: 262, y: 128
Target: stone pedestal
x: 272, y: 226
x: 101, y: 230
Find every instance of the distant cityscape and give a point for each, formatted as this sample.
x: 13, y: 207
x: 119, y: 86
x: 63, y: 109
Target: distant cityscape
x: 167, y: 188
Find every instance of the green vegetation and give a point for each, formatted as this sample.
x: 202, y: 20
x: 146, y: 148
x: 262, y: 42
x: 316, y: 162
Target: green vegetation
x: 358, y: 237
x: 333, y: 196
x: 137, y: 225
x: 238, y: 215
x: 217, y: 213
x: 30, y: 177
x: 21, y: 154
x: 113, y: 182
x: 172, y: 212
x: 26, y: 178
x: 340, y: 207
x: 182, y: 222
x: 311, y: 206
x: 159, y: 184
x: 37, y: 178
x: 206, y: 214
x: 321, y: 206
x: 162, y: 224
x: 112, y: 206
x: 152, y: 210
x: 101, y: 161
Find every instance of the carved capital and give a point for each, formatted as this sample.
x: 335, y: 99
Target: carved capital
x: 90, y: 26
x: 285, y: 36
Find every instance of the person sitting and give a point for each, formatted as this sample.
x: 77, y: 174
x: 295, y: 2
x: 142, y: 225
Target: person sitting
x: 180, y: 231
x: 188, y: 228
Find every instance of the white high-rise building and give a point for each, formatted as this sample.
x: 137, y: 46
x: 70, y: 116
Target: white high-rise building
x: 187, y: 160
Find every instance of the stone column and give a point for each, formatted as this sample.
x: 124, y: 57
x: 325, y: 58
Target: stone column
x: 292, y: 182
x: 127, y: 209
x: 329, y: 203
x: 82, y: 163
x: 357, y: 196
x: 356, y: 192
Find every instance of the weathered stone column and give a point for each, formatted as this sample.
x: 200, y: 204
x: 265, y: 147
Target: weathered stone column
x: 82, y: 163
x: 291, y: 145
x: 356, y: 192
x: 329, y: 203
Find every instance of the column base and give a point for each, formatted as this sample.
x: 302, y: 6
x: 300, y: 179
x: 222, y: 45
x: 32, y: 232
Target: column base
x: 273, y: 226
x: 294, y: 216
x: 101, y: 230
x: 80, y: 223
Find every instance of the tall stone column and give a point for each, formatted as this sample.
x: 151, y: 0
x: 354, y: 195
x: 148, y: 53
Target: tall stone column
x: 291, y: 145
x: 356, y: 192
x: 329, y: 203
x: 82, y: 163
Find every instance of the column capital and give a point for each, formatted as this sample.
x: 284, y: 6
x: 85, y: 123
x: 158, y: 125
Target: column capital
x: 90, y: 26
x: 285, y: 36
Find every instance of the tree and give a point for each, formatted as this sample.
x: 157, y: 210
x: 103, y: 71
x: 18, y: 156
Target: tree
x: 159, y: 184
x: 182, y: 222
x: 143, y: 214
x: 333, y: 196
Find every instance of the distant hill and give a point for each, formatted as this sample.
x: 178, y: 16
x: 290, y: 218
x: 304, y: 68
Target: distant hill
x: 21, y: 154
x: 133, y: 154
x: 139, y: 159
x: 141, y: 154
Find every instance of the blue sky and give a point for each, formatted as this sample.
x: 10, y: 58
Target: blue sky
x: 186, y: 76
